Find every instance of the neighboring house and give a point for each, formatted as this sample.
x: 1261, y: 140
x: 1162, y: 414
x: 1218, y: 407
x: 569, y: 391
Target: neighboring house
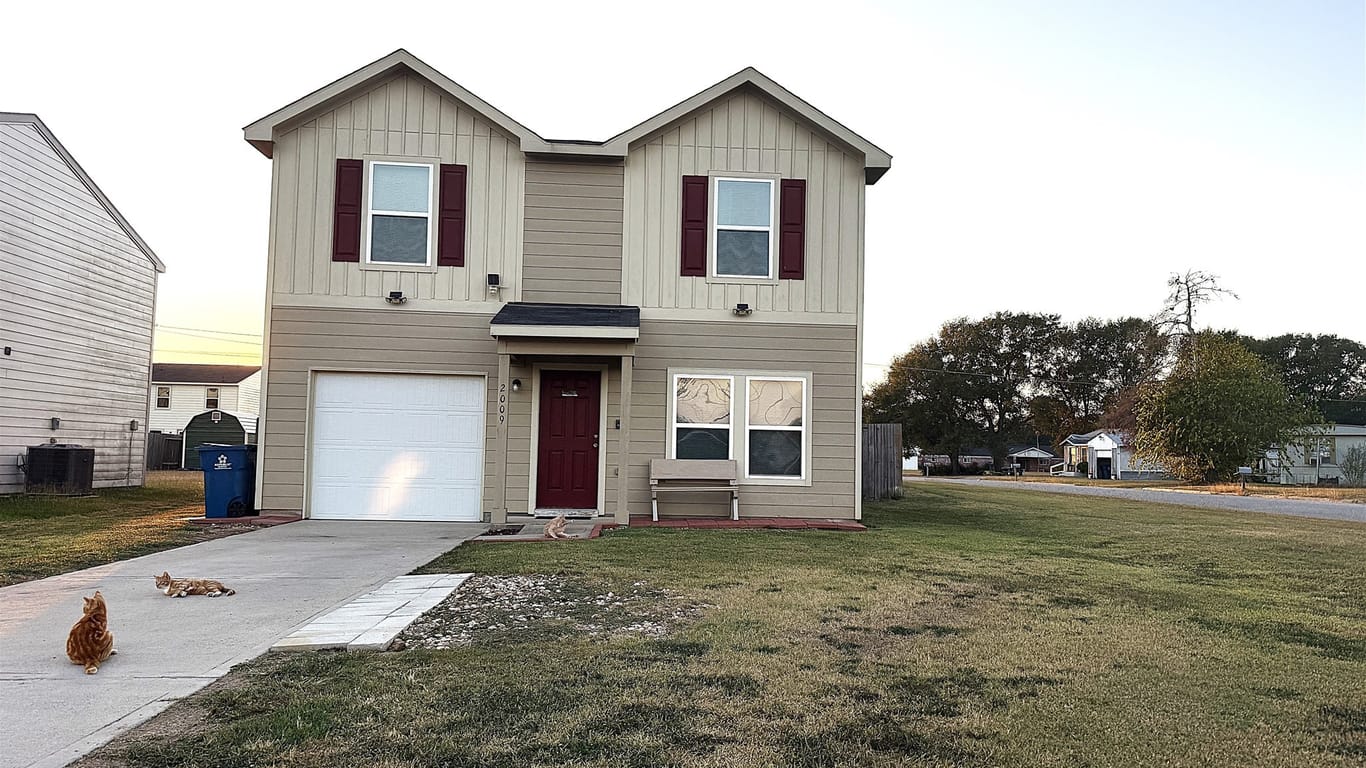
x: 1030, y: 458
x: 1314, y: 460
x: 181, y: 391
x: 1109, y: 455
x: 77, y: 290
x: 465, y: 320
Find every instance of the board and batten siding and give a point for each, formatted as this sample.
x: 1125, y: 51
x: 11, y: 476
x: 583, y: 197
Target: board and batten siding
x: 573, y: 232
x: 402, y: 116
x: 745, y: 132
x: 826, y: 351
x: 76, y: 304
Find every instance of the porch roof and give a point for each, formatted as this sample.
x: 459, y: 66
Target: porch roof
x: 543, y: 319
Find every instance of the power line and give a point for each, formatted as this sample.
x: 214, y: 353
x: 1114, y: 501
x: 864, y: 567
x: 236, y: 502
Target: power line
x: 211, y: 354
x: 993, y: 375
x: 255, y: 342
x: 209, y: 330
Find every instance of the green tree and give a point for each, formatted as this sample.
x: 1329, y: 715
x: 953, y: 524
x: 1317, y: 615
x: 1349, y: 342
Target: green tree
x: 1218, y: 408
x: 1328, y: 372
x: 968, y: 385
x: 1090, y: 367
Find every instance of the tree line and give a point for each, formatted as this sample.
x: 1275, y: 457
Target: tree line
x: 1199, y: 403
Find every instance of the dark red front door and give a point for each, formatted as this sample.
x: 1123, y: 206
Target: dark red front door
x: 567, y: 449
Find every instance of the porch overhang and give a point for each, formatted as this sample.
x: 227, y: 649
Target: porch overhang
x: 526, y: 319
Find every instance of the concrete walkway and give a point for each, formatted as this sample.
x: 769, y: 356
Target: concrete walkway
x: 1320, y: 508
x: 52, y: 713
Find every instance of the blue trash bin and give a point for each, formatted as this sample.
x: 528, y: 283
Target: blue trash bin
x: 229, y: 479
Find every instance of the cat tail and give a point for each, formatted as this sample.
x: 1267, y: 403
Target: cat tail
x: 92, y: 668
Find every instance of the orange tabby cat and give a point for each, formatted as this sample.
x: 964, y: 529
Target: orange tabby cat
x: 182, y: 587
x: 555, y: 528
x: 90, y: 641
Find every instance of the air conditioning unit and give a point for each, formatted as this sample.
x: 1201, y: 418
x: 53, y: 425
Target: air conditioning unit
x: 59, y: 470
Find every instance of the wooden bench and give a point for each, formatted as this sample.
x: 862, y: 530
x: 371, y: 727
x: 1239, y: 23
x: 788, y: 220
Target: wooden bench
x: 694, y: 476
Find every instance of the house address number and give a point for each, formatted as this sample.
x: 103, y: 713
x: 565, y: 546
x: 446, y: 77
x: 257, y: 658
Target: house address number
x: 502, y: 404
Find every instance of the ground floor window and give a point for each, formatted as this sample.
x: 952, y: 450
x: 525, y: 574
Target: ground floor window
x: 760, y: 420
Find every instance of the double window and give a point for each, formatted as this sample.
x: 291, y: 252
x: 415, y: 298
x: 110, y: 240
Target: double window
x: 210, y: 398
x: 760, y: 420
x: 742, y: 234
x: 398, y: 213
x: 163, y: 397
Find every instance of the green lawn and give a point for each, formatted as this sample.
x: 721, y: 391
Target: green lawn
x: 46, y: 535
x: 969, y: 627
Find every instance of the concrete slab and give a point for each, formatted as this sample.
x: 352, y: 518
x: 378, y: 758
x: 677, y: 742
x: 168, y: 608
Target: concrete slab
x: 52, y: 713
x: 373, y: 620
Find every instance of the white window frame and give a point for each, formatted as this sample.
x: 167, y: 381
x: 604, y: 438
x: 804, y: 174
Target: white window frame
x: 673, y: 413
x: 157, y: 402
x: 217, y: 398
x: 804, y: 428
x: 716, y: 226
x: 371, y: 212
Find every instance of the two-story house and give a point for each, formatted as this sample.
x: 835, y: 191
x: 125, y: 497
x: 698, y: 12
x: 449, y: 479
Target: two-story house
x: 78, y: 287
x: 467, y: 321
x: 181, y: 391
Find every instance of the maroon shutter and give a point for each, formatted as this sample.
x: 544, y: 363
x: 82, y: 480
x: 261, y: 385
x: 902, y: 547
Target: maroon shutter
x: 450, y: 233
x: 346, y: 210
x: 792, y: 229
x: 693, y: 251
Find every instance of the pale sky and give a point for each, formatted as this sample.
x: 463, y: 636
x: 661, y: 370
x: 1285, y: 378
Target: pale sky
x: 1049, y: 155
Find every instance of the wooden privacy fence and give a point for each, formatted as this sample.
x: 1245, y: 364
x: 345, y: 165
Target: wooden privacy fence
x: 881, y: 460
x: 164, y: 450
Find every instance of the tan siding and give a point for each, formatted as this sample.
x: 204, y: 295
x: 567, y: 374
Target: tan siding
x: 743, y: 133
x: 456, y: 343
x: 565, y: 262
x: 76, y: 298
x: 827, y: 351
x: 406, y: 117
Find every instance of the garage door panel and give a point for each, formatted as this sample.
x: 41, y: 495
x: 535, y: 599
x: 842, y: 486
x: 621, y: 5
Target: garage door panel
x: 397, y: 447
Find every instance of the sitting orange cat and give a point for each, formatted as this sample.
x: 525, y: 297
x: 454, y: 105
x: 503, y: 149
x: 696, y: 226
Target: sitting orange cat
x: 182, y: 587
x: 90, y: 641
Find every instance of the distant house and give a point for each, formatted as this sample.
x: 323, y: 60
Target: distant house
x: 1108, y: 455
x: 77, y: 289
x: 1314, y: 460
x: 180, y: 391
x: 1031, y: 458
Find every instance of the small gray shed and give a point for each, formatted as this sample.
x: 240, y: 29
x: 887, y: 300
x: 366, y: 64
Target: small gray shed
x: 220, y: 428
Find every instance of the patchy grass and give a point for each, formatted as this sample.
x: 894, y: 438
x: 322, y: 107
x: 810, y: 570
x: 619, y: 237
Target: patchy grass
x: 1330, y: 493
x: 969, y: 626
x: 43, y: 536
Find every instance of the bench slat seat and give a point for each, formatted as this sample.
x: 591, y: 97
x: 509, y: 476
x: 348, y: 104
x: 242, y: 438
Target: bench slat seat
x: 695, y: 476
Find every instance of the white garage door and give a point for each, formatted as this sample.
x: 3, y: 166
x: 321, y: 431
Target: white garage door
x: 397, y: 447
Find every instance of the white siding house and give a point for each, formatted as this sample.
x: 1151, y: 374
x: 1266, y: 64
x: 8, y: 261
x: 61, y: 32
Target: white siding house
x: 77, y: 294
x: 181, y: 391
x: 1316, y: 459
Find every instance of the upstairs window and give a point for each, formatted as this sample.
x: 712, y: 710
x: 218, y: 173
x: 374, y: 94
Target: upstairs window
x: 210, y: 398
x: 742, y: 236
x: 398, y: 213
x: 163, y: 397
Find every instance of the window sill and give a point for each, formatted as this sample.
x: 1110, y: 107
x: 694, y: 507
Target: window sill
x: 416, y: 268
x: 724, y: 280
x: 779, y: 482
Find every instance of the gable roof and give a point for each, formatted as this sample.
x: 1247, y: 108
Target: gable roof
x: 200, y: 373
x: 261, y: 133
x: 28, y: 118
x: 876, y: 161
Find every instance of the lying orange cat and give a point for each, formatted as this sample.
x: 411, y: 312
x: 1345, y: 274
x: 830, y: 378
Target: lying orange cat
x: 90, y: 641
x: 182, y: 587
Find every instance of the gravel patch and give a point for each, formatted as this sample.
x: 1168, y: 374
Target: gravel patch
x: 493, y: 609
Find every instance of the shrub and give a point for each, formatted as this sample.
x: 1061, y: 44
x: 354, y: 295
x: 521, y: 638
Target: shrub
x: 1354, y: 466
x: 1083, y: 468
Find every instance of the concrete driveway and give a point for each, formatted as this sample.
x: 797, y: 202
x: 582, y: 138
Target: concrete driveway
x: 1320, y: 508
x: 52, y: 713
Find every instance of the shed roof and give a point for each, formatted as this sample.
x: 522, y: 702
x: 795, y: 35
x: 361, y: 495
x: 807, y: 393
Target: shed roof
x: 247, y: 420
x: 27, y: 118
x: 261, y: 133
x: 200, y: 373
